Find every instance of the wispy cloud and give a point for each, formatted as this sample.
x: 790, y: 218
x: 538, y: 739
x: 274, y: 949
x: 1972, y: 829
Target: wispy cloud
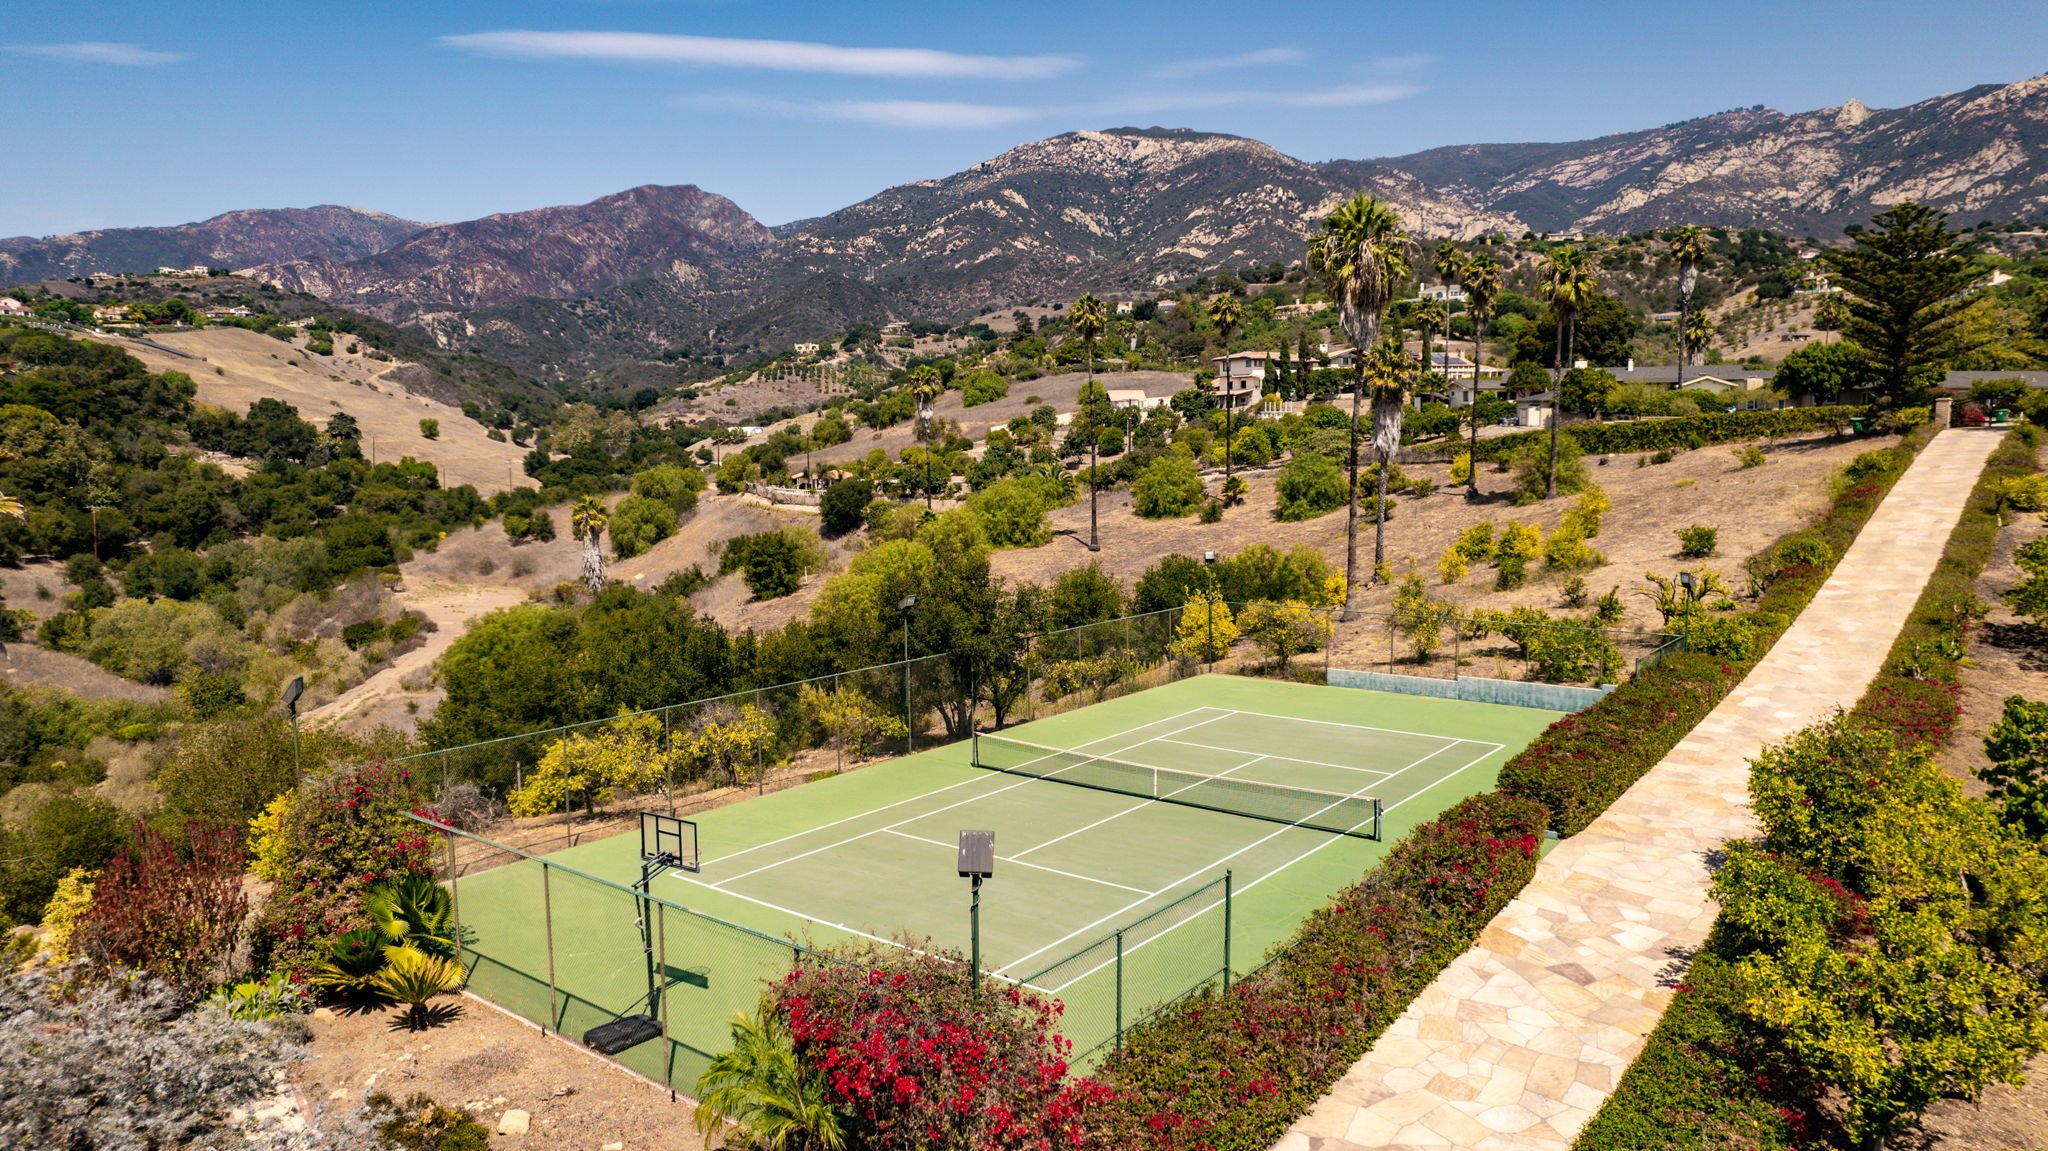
x: 1263, y: 57
x: 98, y: 52
x: 773, y: 55
x: 959, y: 115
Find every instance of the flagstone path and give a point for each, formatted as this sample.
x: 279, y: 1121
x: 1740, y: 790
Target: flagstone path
x: 1518, y: 1042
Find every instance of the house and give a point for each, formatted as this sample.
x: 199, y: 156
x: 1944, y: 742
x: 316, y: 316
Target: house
x: 9, y: 306
x: 1664, y: 317
x: 111, y: 314
x: 1338, y: 357
x: 805, y: 349
x: 1533, y: 411
x: 1715, y: 378
x: 1448, y: 293
x: 1123, y: 307
x: 1240, y: 379
x: 1451, y: 366
x: 895, y: 328
x: 1166, y: 306
x: 1135, y: 399
x: 1240, y: 364
x: 1285, y: 310
x: 236, y: 312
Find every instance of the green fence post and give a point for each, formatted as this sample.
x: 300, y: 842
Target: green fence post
x: 668, y: 1049
x: 1119, y: 988
x: 1226, y: 932
x: 547, y: 904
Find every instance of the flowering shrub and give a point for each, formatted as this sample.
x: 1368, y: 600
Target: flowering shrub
x: 339, y: 836
x: 912, y: 1059
x: 168, y: 912
x: 1232, y: 1070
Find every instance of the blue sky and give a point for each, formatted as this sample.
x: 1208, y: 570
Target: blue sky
x: 124, y: 114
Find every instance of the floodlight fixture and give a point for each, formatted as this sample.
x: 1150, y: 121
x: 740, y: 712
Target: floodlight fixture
x: 1686, y: 581
x: 292, y: 692
x: 977, y: 862
x: 1209, y: 557
x: 908, y: 602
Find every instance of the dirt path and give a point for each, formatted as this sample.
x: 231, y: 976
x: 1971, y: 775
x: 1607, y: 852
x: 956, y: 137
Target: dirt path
x: 381, y: 699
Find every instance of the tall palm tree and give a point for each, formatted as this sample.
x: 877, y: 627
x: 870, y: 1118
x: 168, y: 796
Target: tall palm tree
x: 588, y: 520
x: 1388, y: 371
x: 759, y: 1086
x: 1688, y: 247
x: 1361, y: 255
x: 1482, y: 286
x: 1226, y: 312
x: 1698, y: 330
x: 1829, y: 315
x: 1088, y: 317
x: 1447, y: 260
x: 925, y: 385
x: 1569, y: 285
x: 1429, y: 316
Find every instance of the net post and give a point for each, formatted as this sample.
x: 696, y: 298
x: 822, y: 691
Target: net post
x: 547, y: 905
x: 1379, y: 809
x: 1226, y: 931
x: 1119, y: 988
x: 974, y: 751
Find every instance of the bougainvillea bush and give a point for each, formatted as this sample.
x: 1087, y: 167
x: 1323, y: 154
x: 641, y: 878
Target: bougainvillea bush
x: 1229, y: 1071
x: 323, y: 846
x: 912, y: 1058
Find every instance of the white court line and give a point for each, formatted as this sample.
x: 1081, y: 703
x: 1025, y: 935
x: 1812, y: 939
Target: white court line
x: 1358, y: 726
x: 1143, y: 802
x: 1289, y: 758
x: 1021, y: 863
x: 929, y: 794
x: 926, y: 814
x: 1238, y: 891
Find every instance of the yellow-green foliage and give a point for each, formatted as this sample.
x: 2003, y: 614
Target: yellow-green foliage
x: 2026, y: 493
x: 1475, y: 542
x: 850, y: 720
x: 1519, y: 541
x: 269, y: 844
x: 1583, y: 518
x: 1461, y: 468
x: 1285, y: 629
x: 1207, y: 629
x: 1451, y: 568
x: 60, y: 916
x: 623, y: 757
x: 1567, y: 550
x: 735, y: 745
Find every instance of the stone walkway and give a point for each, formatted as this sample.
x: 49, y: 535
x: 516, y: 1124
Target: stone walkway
x: 1519, y: 1041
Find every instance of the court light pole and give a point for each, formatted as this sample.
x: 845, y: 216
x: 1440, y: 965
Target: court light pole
x: 292, y: 692
x: 977, y: 862
x: 909, y: 726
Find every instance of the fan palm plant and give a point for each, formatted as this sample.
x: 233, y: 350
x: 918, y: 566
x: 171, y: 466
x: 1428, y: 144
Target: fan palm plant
x: 1688, y: 248
x: 414, y: 977
x: 588, y: 520
x: 1226, y: 312
x: 1361, y: 255
x: 1569, y: 285
x: 1429, y: 316
x: 1482, y: 286
x: 1089, y: 318
x: 414, y: 912
x: 759, y: 1087
x: 353, y: 959
x: 1389, y: 373
x: 1699, y: 331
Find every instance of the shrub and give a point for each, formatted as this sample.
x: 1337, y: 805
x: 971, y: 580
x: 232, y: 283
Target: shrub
x: 68, y: 829
x: 168, y: 912
x: 983, y: 387
x: 2017, y: 776
x: 1308, y: 486
x: 1574, y: 592
x: 1510, y: 572
x: 1012, y: 512
x: 424, y: 1125
x: 1233, y: 1070
x: 1569, y: 653
x: 2027, y: 493
x: 911, y: 1057
x: 68, y: 904
x: 640, y: 522
x: 429, y: 427
x: 623, y: 757
x: 1750, y: 456
x: 844, y: 505
x: 324, y: 844
x: 1688, y: 433
x: 1285, y: 629
x: 1569, y: 551
x: 1476, y: 542
x: 1206, y: 629
x: 1450, y: 568
x: 773, y: 564
x: 1531, y: 464
x: 1697, y: 541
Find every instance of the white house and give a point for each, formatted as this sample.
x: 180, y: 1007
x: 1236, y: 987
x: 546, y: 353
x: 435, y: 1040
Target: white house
x: 805, y: 349
x: 236, y: 312
x: 1533, y: 411
x: 9, y: 306
x: 896, y: 328
x: 1134, y: 398
x: 1123, y: 307
x: 1448, y: 293
x: 1242, y: 364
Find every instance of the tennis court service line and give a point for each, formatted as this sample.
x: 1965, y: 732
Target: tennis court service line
x: 720, y: 885
x: 922, y: 795
x: 1021, y: 863
x: 1141, y: 803
x: 1288, y: 758
x: 1339, y: 723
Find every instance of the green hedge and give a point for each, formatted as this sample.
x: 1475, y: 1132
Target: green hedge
x: 1708, y: 1078
x: 1230, y: 1072
x: 1675, y: 434
x: 1583, y: 762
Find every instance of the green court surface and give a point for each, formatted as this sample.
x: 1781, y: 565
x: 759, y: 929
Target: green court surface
x: 1111, y: 902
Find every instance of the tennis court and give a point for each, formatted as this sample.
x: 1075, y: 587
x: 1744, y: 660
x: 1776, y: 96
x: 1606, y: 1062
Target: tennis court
x: 1114, y: 828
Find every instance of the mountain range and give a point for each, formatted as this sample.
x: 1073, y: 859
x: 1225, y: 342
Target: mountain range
x: 566, y: 291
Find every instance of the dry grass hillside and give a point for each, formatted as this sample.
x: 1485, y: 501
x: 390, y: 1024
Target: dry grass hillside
x: 235, y: 367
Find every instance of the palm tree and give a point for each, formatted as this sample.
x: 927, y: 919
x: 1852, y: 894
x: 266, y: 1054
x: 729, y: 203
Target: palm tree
x: 1429, y: 316
x: 10, y: 506
x: 1088, y: 317
x: 759, y: 1086
x: 1829, y: 314
x: 925, y: 385
x: 588, y: 521
x: 1226, y: 312
x: 1688, y: 246
x: 1569, y: 285
x: 1482, y: 285
x: 1448, y: 261
x: 1361, y: 254
x: 1388, y: 371
x: 1698, y: 331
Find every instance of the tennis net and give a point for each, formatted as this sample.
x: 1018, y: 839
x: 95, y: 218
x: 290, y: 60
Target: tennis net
x: 1355, y: 815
